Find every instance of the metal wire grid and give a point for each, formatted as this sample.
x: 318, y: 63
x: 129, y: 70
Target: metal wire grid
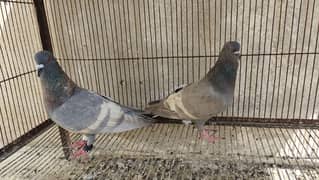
x: 138, y: 51
x: 20, y: 104
x: 277, y: 153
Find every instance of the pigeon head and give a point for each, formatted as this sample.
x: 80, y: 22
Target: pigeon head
x: 56, y: 84
x: 42, y: 59
x: 231, y: 50
x: 223, y: 74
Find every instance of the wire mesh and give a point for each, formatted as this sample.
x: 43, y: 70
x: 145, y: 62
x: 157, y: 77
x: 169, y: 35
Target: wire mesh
x: 20, y: 104
x: 138, y: 51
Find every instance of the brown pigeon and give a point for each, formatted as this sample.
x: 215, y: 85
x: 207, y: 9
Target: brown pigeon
x: 201, y: 100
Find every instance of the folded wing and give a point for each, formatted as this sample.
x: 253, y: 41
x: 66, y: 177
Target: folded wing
x: 90, y: 113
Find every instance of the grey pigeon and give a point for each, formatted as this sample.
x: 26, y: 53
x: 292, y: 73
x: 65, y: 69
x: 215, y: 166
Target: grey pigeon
x: 80, y: 110
x: 203, y: 99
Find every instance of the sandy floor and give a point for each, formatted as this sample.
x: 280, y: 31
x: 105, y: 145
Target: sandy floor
x: 174, y: 151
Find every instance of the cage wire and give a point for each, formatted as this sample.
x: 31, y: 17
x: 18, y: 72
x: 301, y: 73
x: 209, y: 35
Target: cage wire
x: 141, y: 50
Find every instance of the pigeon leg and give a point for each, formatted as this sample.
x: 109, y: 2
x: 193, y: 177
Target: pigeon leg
x: 80, y: 153
x: 204, y: 133
x: 82, y: 147
x: 83, y: 152
x: 78, y: 144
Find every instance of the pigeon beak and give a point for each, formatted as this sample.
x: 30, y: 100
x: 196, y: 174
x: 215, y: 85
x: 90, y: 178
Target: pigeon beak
x: 237, y: 53
x: 39, y: 69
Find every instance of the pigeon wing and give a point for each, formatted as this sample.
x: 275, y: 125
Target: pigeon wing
x: 90, y: 113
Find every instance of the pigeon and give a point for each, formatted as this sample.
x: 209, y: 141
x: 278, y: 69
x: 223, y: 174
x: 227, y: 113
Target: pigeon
x: 205, y: 98
x: 82, y: 111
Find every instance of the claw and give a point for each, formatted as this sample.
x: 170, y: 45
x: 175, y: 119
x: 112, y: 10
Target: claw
x: 80, y: 153
x: 78, y: 144
x: 80, y: 149
x: 204, y: 134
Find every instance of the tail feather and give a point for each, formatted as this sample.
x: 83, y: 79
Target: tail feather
x: 142, y: 114
x: 147, y: 117
x: 131, y: 120
x: 154, y: 102
x: 128, y: 108
x: 153, y: 106
x: 157, y: 108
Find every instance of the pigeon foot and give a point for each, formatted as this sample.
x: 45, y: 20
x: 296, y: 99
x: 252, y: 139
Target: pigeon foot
x: 80, y: 153
x: 78, y: 144
x: 80, y: 149
x: 204, y: 134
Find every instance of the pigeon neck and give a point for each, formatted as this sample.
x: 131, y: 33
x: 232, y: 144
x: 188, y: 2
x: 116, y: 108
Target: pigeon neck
x: 223, y: 75
x: 57, y: 86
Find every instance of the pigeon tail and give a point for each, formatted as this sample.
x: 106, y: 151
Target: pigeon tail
x: 158, y: 108
x: 153, y: 106
x: 145, y: 115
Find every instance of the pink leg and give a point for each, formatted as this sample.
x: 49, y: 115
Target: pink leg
x: 78, y: 144
x: 204, y: 134
x: 77, y: 149
x: 80, y: 153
